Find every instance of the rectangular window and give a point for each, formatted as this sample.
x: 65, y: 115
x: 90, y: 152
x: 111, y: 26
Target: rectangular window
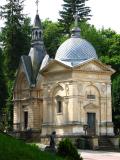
x: 59, y: 106
x: 25, y: 120
x: 90, y: 96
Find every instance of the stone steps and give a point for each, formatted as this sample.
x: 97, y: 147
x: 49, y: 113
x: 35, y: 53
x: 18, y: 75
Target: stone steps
x: 105, y: 144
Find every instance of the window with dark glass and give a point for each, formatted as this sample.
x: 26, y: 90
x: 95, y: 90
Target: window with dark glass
x: 59, y: 103
x: 59, y: 106
x: 90, y: 96
x: 25, y: 120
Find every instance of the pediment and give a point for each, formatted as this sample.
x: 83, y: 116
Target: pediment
x: 55, y: 66
x: 94, y: 66
x: 90, y: 106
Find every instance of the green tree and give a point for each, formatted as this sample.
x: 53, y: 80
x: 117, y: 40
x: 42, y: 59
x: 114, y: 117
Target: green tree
x: 52, y: 36
x: 116, y: 101
x: 94, y: 36
x: 112, y: 57
x: 70, y: 7
x: 15, y: 35
x: 3, y: 91
x: 16, y: 42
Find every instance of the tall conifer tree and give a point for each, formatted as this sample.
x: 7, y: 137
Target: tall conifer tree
x: 3, y: 94
x: 15, y: 35
x: 70, y: 7
x: 16, y: 42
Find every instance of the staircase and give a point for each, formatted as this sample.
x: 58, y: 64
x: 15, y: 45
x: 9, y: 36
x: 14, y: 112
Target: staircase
x: 105, y: 144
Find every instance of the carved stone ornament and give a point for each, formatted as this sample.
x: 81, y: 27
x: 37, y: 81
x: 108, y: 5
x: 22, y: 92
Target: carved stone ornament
x: 25, y: 94
x: 80, y: 87
x: 66, y: 100
x: 103, y: 88
x: 49, y: 101
x: 67, y: 89
x: 90, y: 106
x: 91, y: 67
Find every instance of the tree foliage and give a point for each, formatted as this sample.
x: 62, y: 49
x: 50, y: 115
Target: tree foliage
x: 3, y: 94
x: 67, y: 150
x: 116, y: 101
x: 52, y: 36
x: 15, y: 35
x: 16, y: 42
x: 70, y: 7
x: 112, y: 57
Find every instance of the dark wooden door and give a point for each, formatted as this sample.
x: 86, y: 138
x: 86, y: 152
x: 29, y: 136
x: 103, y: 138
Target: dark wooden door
x: 25, y: 120
x: 91, y: 121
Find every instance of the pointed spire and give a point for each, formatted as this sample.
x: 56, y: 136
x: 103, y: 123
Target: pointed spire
x: 37, y: 21
x: 37, y: 51
x: 37, y: 32
x: 37, y: 4
x: 76, y: 30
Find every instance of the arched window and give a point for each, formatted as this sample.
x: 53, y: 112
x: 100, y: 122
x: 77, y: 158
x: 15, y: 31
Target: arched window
x: 36, y: 35
x: 40, y: 34
x: 59, y: 104
x: 92, y: 93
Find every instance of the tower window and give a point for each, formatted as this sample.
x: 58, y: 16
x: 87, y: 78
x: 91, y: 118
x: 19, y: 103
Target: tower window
x: 91, y: 96
x: 36, y: 34
x: 39, y: 34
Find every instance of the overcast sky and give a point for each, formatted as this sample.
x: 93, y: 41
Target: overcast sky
x: 106, y: 13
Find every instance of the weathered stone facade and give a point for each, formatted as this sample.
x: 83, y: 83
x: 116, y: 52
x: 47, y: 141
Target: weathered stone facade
x: 74, y: 85
x: 63, y: 95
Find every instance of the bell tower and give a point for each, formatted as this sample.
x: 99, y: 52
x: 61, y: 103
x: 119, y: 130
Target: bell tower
x: 37, y: 51
x: 37, y: 33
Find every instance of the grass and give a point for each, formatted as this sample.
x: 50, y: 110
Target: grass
x: 12, y: 149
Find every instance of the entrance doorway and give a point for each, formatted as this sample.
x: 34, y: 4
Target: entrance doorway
x: 25, y: 120
x: 91, y: 121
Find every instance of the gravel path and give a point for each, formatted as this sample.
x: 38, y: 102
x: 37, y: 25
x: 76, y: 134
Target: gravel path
x: 99, y: 155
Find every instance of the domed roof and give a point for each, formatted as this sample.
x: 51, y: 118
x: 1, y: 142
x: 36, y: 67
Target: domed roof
x: 75, y: 50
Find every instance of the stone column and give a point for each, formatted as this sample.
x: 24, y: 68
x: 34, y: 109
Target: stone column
x: 16, y: 116
x: 66, y: 118
x: 109, y: 111
x: 49, y: 108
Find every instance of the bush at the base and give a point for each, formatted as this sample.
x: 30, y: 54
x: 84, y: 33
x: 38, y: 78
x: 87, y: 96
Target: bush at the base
x: 67, y: 150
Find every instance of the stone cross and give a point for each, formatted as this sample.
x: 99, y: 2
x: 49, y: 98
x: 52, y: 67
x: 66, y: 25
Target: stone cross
x: 76, y: 17
x: 37, y: 4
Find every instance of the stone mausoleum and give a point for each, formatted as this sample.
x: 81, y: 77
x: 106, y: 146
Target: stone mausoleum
x: 65, y: 94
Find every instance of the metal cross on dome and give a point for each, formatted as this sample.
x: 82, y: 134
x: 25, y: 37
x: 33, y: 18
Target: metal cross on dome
x: 76, y: 17
x: 37, y: 4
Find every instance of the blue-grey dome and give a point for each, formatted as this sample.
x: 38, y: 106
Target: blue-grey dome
x: 75, y: 50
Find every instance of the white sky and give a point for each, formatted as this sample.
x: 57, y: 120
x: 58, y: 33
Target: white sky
x: 106, y: 13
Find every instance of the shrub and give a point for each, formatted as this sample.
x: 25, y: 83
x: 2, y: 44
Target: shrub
x: 67, y: 150
x: 82, y: 143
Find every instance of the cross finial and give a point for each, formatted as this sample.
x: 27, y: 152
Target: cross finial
x: 37, y: 4
x: 76, y: 17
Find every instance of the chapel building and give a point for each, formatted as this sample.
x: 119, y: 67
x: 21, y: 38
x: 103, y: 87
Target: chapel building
x: 64, y: 94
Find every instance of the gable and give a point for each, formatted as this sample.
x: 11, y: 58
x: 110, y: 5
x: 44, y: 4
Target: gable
x: 55, y: 66
x: 19, y: 76
x: 25, y: 68
x: 94, y: 66
x: 91, y: 67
